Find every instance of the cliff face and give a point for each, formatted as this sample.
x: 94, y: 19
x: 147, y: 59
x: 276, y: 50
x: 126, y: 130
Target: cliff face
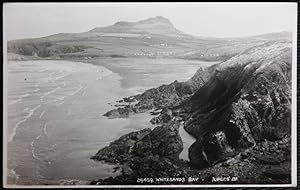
x: 246, y: 100
x: 239, y: 111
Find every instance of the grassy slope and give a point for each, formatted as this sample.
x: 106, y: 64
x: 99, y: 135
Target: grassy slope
x: 90, y: 45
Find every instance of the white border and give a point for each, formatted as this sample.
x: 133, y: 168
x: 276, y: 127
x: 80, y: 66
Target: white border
x: 294, y: 103
x: 4, y: 129
x: 294, y: 110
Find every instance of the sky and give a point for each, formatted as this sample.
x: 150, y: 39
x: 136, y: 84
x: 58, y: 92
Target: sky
x: 30, y: 20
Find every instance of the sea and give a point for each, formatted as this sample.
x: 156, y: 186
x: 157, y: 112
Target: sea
x: 55, y: 110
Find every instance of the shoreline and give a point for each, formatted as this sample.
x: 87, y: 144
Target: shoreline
x: 96, y: 61
x: 20, y: 57
x: 32, y: 110
x: 135, y: 128
x: 35, y: 112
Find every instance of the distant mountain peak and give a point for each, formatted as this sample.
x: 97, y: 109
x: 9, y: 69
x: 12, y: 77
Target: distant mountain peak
x: 122, y: 23
x: 157, y: 19
x: 154, y: 25
x: 151, y: 20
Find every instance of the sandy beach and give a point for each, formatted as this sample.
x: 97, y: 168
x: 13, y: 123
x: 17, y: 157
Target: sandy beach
x: 55, y: 121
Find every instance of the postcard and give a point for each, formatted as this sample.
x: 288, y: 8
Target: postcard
x: 149, y: 95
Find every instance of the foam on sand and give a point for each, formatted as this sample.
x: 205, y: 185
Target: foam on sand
x: 30, y: 113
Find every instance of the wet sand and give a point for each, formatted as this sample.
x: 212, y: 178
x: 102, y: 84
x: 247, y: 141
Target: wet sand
x: 54, y: 130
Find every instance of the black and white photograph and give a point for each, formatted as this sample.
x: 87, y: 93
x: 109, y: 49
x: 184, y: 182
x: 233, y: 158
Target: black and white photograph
x: 149, y: 95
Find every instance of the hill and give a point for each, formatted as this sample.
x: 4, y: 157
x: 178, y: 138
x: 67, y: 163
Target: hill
x: 153, y: 37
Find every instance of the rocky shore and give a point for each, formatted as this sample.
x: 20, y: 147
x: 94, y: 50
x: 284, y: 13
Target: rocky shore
x: 239, y: 111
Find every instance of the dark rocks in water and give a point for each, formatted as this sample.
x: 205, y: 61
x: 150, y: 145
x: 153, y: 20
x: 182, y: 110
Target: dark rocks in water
x: 119, y: 151
x: 121, y: 112
x: 163, y: 141
x: 129, y: 99
x: 156, y: 98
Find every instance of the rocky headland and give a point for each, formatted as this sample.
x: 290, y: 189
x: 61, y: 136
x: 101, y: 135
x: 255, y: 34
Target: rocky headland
x: 239, y: 112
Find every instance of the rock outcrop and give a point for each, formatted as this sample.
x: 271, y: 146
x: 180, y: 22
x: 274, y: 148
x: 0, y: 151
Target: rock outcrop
x: 119, y: 151
x: 162, y: 141
x: 239, y: 111
x: 246, y: 101
x: 156, y: 98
